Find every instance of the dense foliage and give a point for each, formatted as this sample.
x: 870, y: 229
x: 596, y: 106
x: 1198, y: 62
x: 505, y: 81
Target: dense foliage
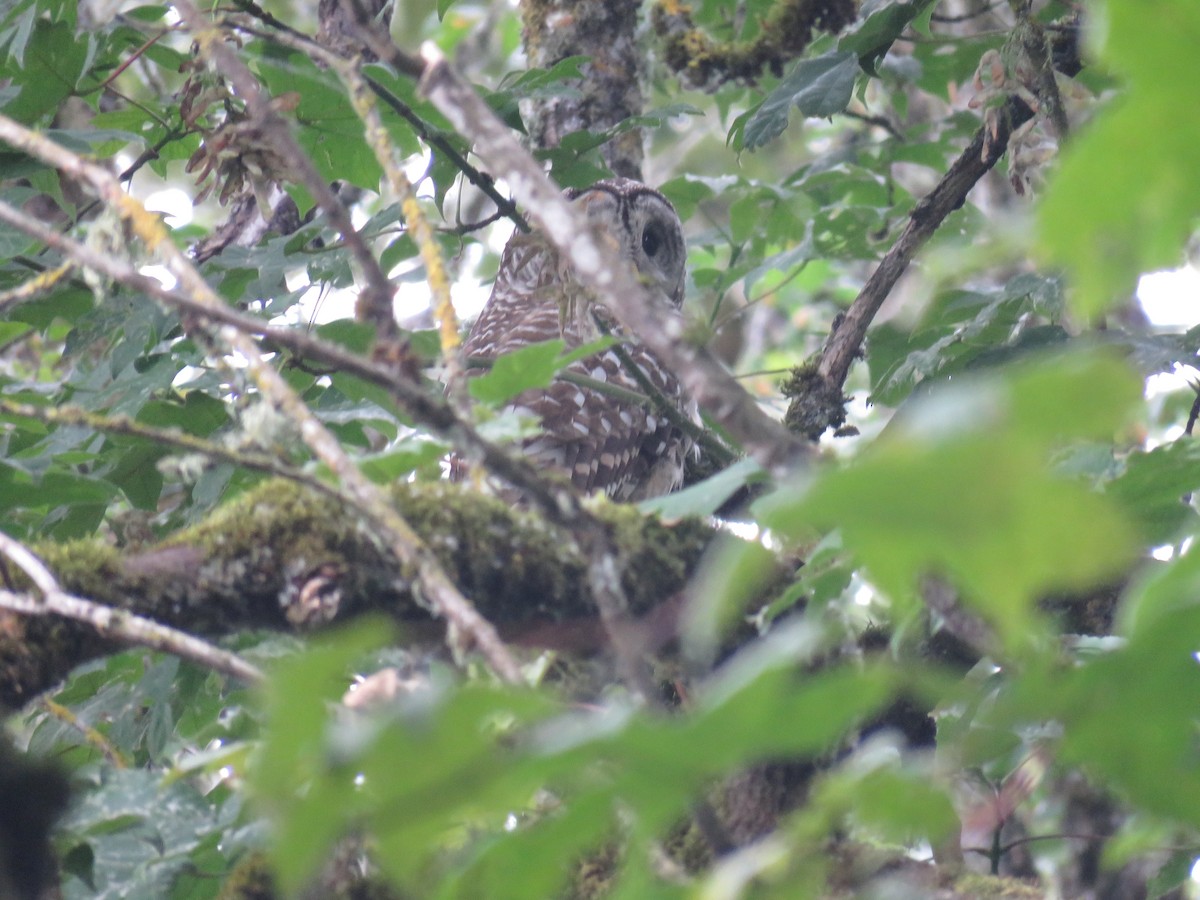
x: 999, y: 536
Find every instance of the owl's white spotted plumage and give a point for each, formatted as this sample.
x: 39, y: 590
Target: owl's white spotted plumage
x: 628, y: 450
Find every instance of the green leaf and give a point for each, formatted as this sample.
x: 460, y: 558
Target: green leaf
x: 195, y: 413
x: 1160, y: 590
x: 818, y: 88
x: 52, y: 63
x: 290, y: 772
x: 1104, y: 227
x: 329, y: 129
x: 1155, y: 485
x: 871, y: 40
x: 733, y: 573
x: 1072, y: 396
x: 55, y: 488
x: 13, y: 241
x: 405, y: 457
x: 354, y: 336
x: 137, y: 474
x: 902, y: 805
x: 528, y: 862
x: 705, y: 497
x: 140, y: 834
x: 963, y: 489
x: 1150, y: 686
x: 530, y: 367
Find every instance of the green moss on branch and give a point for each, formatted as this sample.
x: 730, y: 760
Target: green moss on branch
x: 274, y: 547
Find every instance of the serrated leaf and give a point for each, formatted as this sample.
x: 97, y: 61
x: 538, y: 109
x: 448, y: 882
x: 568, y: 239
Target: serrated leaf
x: 964, y: 489
x: 818, y: 88
x: 348, y: 333
x: 195, y: 413
x: 530, y: 367
x: 1149, y: 686
x: 706, y: 497
x: 871, y: 40
x: 51, y: 64
x: 1107, y: 238
x: 329, y: 129
x: 137, y: 475
x: 512, y: 373
x: 1155, y: 485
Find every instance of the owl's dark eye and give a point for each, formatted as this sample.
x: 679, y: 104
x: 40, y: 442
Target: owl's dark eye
x: 652, y: 239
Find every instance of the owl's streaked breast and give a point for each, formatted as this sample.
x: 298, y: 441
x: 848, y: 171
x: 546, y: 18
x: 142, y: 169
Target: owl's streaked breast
x: 628, y: 450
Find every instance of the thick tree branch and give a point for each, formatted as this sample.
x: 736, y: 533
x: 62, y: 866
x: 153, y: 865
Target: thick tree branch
x: 257, y: 561
x: 819, y: 403
x: 561, y: 505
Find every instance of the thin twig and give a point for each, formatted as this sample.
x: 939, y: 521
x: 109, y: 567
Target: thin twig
x: 36, y: 286
x: 504, y: 206
x: 471, y: 227
x: 112, y: 623
x: 376, y: 296
x: 878, y: 121
x: 435, y: 586
x: 171, y: 437
x: 422, y: 129
x: 984, y: 151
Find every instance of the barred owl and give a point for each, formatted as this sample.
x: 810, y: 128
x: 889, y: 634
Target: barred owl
x: 628, y: 450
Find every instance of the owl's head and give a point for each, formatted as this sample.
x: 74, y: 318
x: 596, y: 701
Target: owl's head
x: 645, y: 225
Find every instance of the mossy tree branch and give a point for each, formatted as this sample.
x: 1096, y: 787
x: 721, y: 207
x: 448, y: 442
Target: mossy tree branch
x: 260, y: 560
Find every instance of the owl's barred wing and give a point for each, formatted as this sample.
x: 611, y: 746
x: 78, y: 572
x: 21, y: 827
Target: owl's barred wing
x: 628, y: 450
x: 625, y: 449
x: 509, y: 320
x: 602, y: 443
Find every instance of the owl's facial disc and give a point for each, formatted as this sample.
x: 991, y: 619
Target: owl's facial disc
x: 646, y: 228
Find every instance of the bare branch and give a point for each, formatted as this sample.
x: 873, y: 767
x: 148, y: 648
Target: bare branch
x: 112, y: 623
x: 171, y: 437
x: 436, y: 587
x: 375, y: 301
x: 984, y: 151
